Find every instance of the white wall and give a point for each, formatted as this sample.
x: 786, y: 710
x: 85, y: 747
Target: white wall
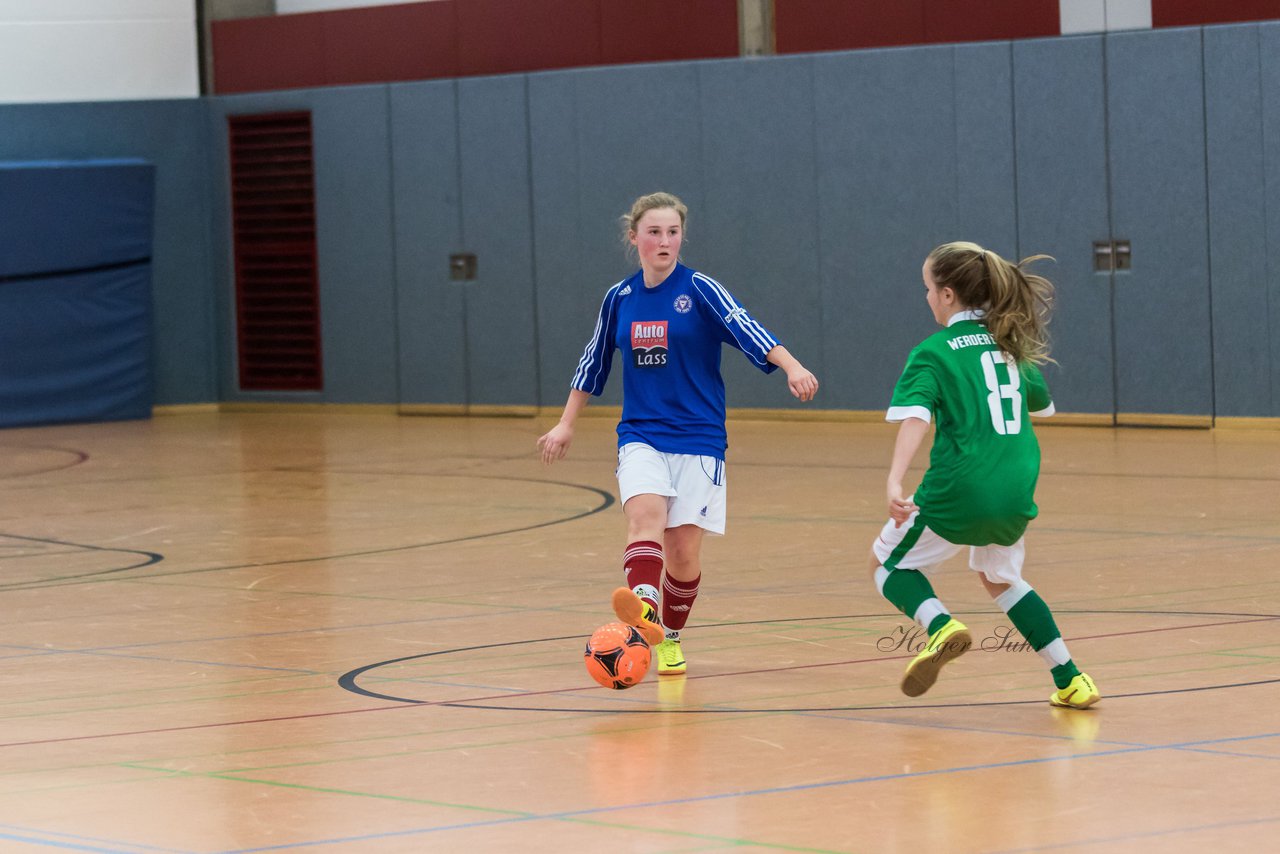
x: 97, y: 50
x: 1096, y: 16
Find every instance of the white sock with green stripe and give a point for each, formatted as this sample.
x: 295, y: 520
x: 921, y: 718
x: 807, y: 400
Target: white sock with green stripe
x: 912, y: 594
x: 1034, y: 621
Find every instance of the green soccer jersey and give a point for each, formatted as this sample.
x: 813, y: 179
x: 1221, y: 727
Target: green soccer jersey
x: 980, y: 486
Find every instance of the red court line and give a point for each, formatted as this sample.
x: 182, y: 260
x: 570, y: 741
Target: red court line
x: 975, y: 649
x: 508, y: 696
x: 211, y: 726
x: 1172, y: 628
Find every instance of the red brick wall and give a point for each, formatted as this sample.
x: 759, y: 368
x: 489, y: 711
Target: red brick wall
x: 1182, y: 13
x: 811, y: 25
x: 447, y: 38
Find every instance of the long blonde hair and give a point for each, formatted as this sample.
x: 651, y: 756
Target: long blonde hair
x: 1016, y: 304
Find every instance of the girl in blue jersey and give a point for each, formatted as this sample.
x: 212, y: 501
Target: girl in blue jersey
x: 669, y: 321
x: 977, y: 379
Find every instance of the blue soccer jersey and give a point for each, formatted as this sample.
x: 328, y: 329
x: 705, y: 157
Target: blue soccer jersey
x: 670, y: 335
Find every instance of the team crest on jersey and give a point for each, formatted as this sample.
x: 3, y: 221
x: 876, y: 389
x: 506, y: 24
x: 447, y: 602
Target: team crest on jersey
x: 649, y: 343
x: 683, y: 303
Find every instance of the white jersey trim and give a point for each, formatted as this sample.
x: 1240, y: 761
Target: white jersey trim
x: 1046, y: 412
x: 902, y: 413
x: 967, y: 314
x: 589, y: 364
x: 732, y: 314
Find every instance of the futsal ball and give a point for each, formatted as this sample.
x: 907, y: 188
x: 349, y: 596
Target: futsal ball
x: 617, y: 656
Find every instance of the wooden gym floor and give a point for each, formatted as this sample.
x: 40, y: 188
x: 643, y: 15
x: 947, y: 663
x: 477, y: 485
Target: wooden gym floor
x: 362, y: 632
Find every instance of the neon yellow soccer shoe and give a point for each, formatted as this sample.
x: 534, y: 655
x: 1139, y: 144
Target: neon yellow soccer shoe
x: 1080, y: 694
x: 948, y: 643
x: 670, y: 657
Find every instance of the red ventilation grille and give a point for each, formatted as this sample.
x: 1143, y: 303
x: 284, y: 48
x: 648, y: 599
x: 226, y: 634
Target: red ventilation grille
x: 274, y: 223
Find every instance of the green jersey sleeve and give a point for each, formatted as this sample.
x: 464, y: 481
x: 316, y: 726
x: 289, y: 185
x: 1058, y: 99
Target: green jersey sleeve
x: 916, y: 393
x: 1037, y: 391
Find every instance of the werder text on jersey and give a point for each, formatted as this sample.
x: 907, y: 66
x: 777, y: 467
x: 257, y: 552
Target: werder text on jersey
x: 976, y: 340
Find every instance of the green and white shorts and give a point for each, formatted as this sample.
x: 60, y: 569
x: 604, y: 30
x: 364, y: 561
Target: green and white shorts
x: 916, y: 546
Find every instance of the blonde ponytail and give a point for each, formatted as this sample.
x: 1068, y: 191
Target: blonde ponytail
x: 1016, y: 304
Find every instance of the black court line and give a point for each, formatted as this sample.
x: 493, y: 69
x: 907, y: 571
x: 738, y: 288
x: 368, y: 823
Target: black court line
x: 78, y: 457
x: 349, y: 681
x: 410, y: 704
x: 606, y: 501
x: 811, y: 709
x: 150, y: 558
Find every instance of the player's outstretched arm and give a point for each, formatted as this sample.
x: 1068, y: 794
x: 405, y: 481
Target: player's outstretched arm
x: 800, y: 380
x: 554, y: 444
x: 911, y: 434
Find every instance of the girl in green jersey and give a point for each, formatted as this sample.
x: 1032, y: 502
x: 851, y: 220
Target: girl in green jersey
x: 978, y: 379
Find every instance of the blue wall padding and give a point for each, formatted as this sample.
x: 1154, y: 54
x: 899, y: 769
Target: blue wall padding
x: 75, y: 291
x: 66, y: 215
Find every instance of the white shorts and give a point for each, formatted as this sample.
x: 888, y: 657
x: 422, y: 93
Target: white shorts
x: 694, y: 486
x: 1000, y: 564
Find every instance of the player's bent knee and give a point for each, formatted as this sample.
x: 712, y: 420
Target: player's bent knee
x: 646, y: 513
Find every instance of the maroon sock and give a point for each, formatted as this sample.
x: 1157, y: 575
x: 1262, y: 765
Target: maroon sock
x: 677, y: 601
x: 642, y: 563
